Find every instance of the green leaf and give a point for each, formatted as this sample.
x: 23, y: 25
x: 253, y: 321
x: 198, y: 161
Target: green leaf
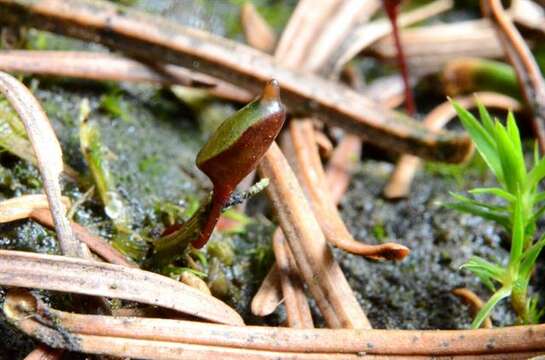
x: 485, y: 118
x: 513, y: 131
x: 539, y: 197
x: 485, y: 270
x: 517, y: 235
x: 462, y: 198
x: 490, y: 304
x: 530, y: 257
x: 499, y: 192
x: 499, y: 217
x: 484, y: 141
x: 512, y: 163
x: 536, y: 174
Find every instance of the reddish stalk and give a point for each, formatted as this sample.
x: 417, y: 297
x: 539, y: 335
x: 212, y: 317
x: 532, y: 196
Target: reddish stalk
x: 392, y: 10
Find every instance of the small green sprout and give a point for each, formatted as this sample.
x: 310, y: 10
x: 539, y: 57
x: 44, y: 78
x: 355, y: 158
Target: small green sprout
x: 522, y: 205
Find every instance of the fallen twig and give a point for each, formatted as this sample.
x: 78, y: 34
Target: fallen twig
x: 49, y: 156
x: 316, y: 264
x: 519, y: 55
x: 155, y: 39
x: 35, y: 318
x: 105, y: 66
x: 474, y: 302
x: 79, y: 276
x: 399, y: 184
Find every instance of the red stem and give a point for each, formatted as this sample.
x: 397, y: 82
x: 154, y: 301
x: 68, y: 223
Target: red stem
x: 392, y: 9
x: 219, y: 199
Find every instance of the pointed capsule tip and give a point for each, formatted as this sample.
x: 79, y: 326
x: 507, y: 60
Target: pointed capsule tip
x: 271, y: 91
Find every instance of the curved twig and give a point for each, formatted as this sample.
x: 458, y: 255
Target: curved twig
x: 49, y: 155
x: 269, y: 294
x: 311, y: 174
x: 79, y: 276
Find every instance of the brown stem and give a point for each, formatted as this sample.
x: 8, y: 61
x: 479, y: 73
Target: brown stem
x: 60, y: 273
x: 22, y: 309
x: 316, y: 264
x: 392, y: 10
x: 295, y: 300
x: 97, y: 244
x: 105, y: 66
x: 526, y: 68
x: 154, y: 39
x: 311, y: 175
x: 399, y: 184
x: 474, y: 302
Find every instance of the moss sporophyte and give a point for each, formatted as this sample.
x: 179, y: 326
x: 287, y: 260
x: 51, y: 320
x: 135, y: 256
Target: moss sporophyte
x: 231, y: 153
x: 522, y: 206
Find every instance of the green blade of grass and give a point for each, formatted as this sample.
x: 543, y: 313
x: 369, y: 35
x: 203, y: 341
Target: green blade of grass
x: 483, y: 140
x: 499, y: 295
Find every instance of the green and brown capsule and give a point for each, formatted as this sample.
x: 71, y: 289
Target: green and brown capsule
x: 236, y: 148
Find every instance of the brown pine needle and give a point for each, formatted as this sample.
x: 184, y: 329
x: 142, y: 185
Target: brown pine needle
x: 316, y: 264
x: 269, y: 294
x: 66, y: 274
x: 165, y: 337
x: 49, y: 156
x: 295, y: 300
